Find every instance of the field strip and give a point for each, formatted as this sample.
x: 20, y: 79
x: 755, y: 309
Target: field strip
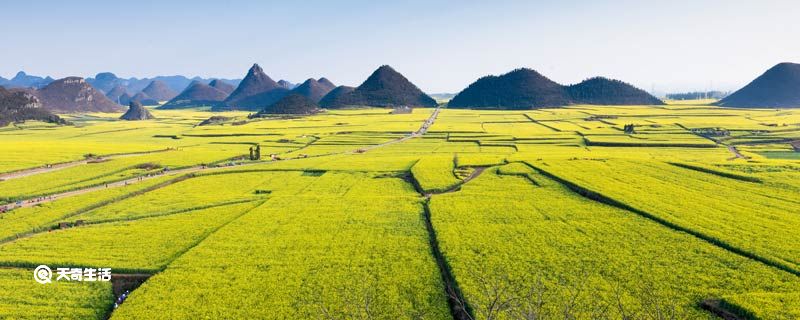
x: 171, y: 212
x: 122, y: 183
x: 422, y: 130
x: 65, y: 165
x: 459, y: 308
x: 731, y: 149
x: 44, y: 199
x: 599, y: 197
x: 455, y: 298
x: 196, y: 243
x: 106, y: 221
x: 95, y: 206
x: 540, y: 123
x: 204, y: 237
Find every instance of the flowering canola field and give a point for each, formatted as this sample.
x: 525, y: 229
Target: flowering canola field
x: 561, y: 213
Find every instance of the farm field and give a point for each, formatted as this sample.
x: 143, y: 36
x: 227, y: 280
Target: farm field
x: 361, y: 214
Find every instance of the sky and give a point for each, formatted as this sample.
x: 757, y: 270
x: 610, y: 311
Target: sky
x: 441, y: 46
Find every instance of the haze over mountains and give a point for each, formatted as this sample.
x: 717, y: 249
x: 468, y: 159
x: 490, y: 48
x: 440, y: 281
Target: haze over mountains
x: 119, y: 95
x: 104, y: 81
x: 23, y: 80
x: 160, y: 91
x: 222, y: 86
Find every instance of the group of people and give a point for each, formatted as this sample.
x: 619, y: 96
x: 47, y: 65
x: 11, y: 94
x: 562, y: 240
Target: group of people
x: 9, y: 207
x: 121, y: 299
x: 428, y: 123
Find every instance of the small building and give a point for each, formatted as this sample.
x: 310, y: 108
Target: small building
x: 402, y: 110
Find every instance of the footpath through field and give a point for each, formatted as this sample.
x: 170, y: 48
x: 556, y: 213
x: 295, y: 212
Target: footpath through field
x: 65, y: 165
x: 420, y: 132
x: 44, y: 199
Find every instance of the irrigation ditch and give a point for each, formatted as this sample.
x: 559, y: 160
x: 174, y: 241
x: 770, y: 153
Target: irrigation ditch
x: 599, y: 197
x: 459, y: 308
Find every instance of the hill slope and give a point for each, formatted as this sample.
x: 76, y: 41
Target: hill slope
x: 106, y: 81
x: 16, y: 106
x: 519, y: 89
x: 136, y: 112
x: 335, y: 95
x: 144, y: 99
x: 250, y: 94
x: 222, y: 86
x: 73, y: 94
x: 293, y: 103
x: 604, y: 91
x: 314, y: 89
x: 159, y: 91
x: 384, y: 88
x: 286, y: 84
x: 116, y: 94
x: 779, y: 87
x: 196, y: 95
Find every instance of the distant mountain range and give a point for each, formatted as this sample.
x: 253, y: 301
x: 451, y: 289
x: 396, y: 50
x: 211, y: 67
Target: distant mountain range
x: 105, y: 81
x: 520, y: 89
x: 23, y: 80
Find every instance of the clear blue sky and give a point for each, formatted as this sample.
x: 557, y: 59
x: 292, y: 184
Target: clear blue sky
x: 442, y: 46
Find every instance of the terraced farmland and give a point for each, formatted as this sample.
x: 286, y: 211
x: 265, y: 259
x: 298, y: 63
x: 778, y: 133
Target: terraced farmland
x: 581, y: 212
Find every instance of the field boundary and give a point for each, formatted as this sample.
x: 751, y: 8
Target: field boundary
x: 599, y: 197
x: 459, y: 308
x: 68, y: 164
x: 48, y: 225
x: 723, y: 174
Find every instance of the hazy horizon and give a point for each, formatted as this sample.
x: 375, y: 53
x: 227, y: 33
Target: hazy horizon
x: 441, y: 46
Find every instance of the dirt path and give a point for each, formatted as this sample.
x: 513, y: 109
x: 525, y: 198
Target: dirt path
x: 122, y: 183
x: 736, y: 153
x: 65, y: 165
x: 459, y: 308
x: 420, y: 132
x: 473, y: 175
